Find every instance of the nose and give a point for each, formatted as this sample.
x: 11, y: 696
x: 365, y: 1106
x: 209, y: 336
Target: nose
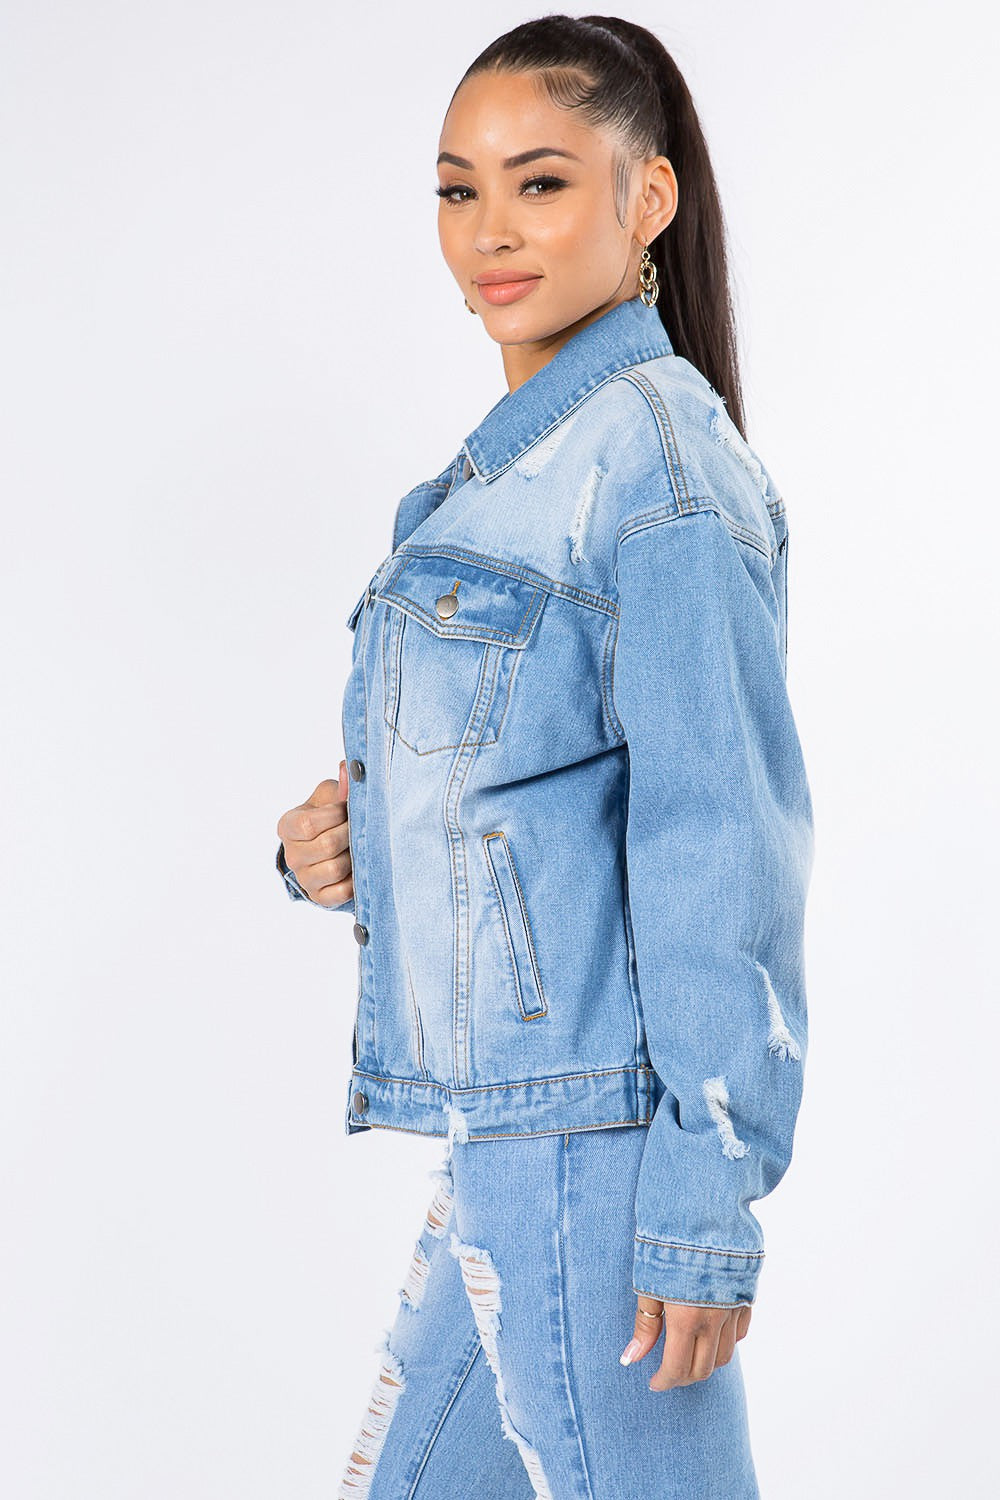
x: 493, y: 229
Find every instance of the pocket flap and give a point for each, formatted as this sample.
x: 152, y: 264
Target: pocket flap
x: 352, y: 618
x: 482, y: 604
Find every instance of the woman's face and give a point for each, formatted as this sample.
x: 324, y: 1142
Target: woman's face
x: 551, y: 219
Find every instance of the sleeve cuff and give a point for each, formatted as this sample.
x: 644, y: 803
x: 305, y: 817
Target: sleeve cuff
x: 672, y: 1272
x: 295, y: 891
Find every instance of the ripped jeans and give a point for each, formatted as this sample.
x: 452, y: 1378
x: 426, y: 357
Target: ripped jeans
x: 500, y: 1377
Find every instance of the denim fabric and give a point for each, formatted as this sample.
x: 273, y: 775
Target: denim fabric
x: 500, y: 1376
x: 583, y: 834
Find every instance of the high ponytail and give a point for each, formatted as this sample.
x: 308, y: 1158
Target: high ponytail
x: 620, y: 76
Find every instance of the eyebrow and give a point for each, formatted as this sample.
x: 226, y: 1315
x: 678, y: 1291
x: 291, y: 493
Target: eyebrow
x: 510, y: 162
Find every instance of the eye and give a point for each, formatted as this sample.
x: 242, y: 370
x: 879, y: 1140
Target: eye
x: 445, y: 193
x: 548, y: 184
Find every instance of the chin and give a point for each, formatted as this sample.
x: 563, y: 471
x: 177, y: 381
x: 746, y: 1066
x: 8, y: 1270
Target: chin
x: 513, y: 326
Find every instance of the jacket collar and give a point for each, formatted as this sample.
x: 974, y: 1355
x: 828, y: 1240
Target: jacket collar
x: 628, y: 334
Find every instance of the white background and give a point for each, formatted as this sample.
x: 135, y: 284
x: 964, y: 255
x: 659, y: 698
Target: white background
x: 230, y: 344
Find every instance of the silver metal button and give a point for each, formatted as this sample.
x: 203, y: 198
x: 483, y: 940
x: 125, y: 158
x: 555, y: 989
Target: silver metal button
x: 446, y: 604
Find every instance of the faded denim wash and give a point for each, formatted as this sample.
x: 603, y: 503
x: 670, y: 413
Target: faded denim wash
x: 517, y: 1297
x: 580, y: 822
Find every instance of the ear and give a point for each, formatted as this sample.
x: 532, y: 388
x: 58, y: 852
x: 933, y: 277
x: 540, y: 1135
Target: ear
x: 659, y: 198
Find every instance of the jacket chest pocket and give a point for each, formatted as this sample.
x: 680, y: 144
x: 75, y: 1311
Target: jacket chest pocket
x: 453, y: 636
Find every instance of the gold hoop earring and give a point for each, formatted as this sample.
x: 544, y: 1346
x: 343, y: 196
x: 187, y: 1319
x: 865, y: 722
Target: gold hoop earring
x: 649, y: 286
x: 471, y: 308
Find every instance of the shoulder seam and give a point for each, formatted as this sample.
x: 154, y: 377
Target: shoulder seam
x: 668, y: 437
x: 686, y: 503
x: 699, y: 505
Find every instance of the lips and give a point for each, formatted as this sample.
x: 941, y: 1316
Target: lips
x: 501, y: 278
x: 499, y: 288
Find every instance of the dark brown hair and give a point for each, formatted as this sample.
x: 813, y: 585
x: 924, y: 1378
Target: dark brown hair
x: 620, y: 76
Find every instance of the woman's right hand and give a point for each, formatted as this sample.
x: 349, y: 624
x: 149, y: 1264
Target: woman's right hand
x: 316, y: 839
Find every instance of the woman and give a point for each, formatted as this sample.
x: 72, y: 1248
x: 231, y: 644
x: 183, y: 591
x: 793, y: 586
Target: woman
x: 576, y: 834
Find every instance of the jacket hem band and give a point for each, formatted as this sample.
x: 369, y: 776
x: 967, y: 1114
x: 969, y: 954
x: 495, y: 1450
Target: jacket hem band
x: 536, y: 1106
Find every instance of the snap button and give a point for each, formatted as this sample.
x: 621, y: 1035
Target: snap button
x: 361, y: 933
x: 467, y: 469
x: 446, y: 604
x: 357, y: 769
x: 359, y: 1102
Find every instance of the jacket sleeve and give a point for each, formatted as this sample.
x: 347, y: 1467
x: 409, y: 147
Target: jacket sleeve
x: 295, y: 890
x: 719, y: 849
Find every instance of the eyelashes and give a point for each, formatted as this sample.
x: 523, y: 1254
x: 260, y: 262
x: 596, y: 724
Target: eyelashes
x: 547, y: 183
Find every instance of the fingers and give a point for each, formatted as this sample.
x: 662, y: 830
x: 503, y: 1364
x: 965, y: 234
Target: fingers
x: 317, y: 840
x: 647, y: 1329
x: 680, y: 1338
x: 734, y: 1330
x: 331, y: 895
x: 328, y: 792
x: 696, y: 1340
x: 727, y: 1343
x: 326, y: 846
x: 325, y: 809
x: 328, y: 880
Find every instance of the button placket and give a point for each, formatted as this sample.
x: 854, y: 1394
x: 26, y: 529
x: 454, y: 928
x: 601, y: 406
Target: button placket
x: 355, y: 738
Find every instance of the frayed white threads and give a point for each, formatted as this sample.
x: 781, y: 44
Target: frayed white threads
x: 533, y: 461
x: 389, y: 1386
x: 780, y: 1042
x: 717, y: 1099
x: 727, y: 433
x: 529, y: 1457
x: 415, y: 1284
x: 482, y: 1285
x: 458, y: 1129
x: 585, y: 506
x: 439, y: 1213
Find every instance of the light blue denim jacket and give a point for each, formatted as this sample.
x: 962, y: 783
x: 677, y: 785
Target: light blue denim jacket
x: 580, y: 823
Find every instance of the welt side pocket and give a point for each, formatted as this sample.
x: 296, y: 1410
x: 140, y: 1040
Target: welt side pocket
x: 524, y: 960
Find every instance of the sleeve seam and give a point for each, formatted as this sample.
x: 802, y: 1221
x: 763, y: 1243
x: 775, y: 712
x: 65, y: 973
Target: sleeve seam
x: 646, y: 1239
x: 688, y: 1301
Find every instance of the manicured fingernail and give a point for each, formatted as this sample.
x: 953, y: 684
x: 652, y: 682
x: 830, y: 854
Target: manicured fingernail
x: 629, y: 1353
